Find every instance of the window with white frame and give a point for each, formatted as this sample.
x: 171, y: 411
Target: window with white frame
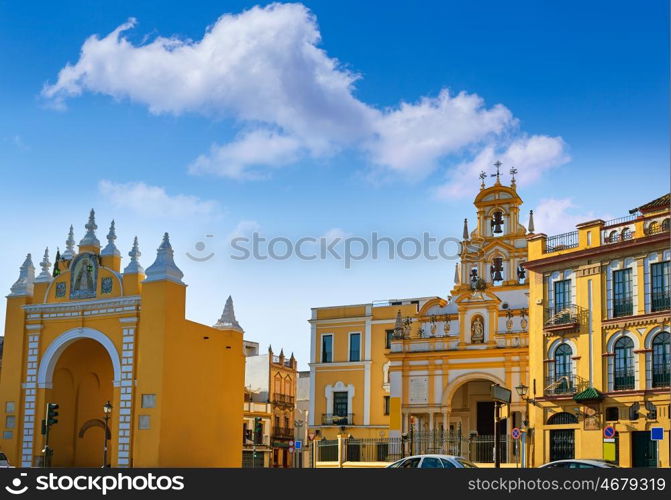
x: 327, y: 348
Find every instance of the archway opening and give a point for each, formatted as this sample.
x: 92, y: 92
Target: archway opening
x: 82, y: 382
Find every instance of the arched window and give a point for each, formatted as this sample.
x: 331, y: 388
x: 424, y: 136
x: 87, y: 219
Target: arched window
x: 660, y: 360
x: 665, y: 225
x: 562, y: 419
x: 563, y: 369
x: 497, y: 223
x: 626, y: 234
x: 496, y: 271
x: 624, y: 364
x: 612, y: 237
x: 653, y: 227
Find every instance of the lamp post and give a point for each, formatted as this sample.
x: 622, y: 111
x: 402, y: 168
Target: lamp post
x: 107, y: 410
x: 522, y: 393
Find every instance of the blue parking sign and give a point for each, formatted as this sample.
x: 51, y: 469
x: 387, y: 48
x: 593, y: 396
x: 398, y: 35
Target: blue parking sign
x: 657, y: 433
x: 298, y: 445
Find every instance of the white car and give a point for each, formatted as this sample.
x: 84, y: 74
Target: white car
x: 578, y: 464
x: 432, y: 462
x: 4, y: 463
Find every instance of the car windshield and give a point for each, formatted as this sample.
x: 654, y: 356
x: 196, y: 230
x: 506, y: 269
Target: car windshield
x: 3, y: 456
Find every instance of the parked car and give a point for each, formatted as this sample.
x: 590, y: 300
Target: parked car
x: 4, y: 463
x: 432, y: 462
x: 578, y: 464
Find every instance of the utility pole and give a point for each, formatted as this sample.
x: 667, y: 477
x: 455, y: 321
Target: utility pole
x: 497, y: 419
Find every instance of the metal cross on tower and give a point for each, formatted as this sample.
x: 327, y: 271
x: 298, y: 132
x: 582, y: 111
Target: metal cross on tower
x: 497, y: 164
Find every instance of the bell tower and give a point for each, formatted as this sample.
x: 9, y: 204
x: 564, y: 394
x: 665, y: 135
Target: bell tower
x: 492, y: 253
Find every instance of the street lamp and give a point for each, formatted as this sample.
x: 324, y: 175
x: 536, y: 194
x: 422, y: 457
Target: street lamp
x: 107, y: 409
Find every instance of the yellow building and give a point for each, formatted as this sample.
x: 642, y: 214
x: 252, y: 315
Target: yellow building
x: 271, y: 379
x: 425, y: 366
x: 599, y: 345
x: 86, y: 334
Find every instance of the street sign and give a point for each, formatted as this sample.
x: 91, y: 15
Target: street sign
x: 516, y: 433
x: 291, y: 443
x: 291, y: 450
x: 657, y: 433
x: 500, y: 393
x: 298, y: 445
x: 609, y: 432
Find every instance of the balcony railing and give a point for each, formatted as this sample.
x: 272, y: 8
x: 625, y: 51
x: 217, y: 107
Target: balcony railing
x: 661, y: 301
x: 661, y: 378
x: 561, y: 241
x: 567, y: 318
x: 624, y: 380
x: 562, y: 385
x: 283, y: 433
x: 623, y: 308
x: 283, y: 400
x: 330, y: 419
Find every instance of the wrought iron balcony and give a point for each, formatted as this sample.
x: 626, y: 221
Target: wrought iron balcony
x: 624, y: 380
x: 283, y: 400
x: 564, y: 385
x: 661, y: 378
x: 561, y: 242
x: 661, y: 301
x: 283, y: 433
x: 562, y: 320
x: 330, y: 419
x: 623, y: 307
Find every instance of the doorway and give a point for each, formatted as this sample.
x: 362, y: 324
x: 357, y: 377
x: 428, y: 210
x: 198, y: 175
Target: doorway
x: 644, y: 449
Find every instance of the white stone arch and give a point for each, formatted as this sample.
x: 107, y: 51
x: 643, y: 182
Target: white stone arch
x: 610, y: 349
x: 454, y: 385
x: 59, y: 344
x: 505, y: 214
x: 551, y: 356
x: 650, y: 336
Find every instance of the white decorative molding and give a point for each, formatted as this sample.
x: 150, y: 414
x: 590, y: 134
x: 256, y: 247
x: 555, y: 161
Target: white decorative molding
x: 29, y: 386
x: 126, y: 398
x: 338, y: 387
x: 60, y: 343
x: 82, y: 308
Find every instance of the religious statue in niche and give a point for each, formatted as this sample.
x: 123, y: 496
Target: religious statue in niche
x: 477, y: 331
x: 84, y: 277
x: 509, y: 321
x: 523, y: 320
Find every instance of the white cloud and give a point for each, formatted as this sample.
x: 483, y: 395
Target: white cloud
x: 412, y: 137
x: 244, y: 229
x: 559, y: 215
x: 264, y: 69
x: 245, y: 157
x: 532, y: 156
x: 154, y: 201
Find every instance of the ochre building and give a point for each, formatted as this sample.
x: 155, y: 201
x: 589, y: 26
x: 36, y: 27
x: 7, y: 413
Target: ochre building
x: 86, y: 333
x: 599, y: 344
x: 425, y: 366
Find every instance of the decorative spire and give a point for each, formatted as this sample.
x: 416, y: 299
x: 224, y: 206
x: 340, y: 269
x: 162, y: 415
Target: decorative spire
x: 45, y: 275
x: 111, y: 248
x: 513, y: 171
x: 457, y: 281
x: 465, y: 235
x: 531, y: 221
x: 24, y: 285
x: 164, y: 267
x: 69, y: 253
x: 398, y: 326
x: 57, y: 269
x: 228, y: 321
x: 134, y: 266
x: 482, y: 176
x: 90, y: 239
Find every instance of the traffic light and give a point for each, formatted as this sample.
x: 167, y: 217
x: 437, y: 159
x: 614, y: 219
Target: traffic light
x: 258, y: 430
x: 52, y: 413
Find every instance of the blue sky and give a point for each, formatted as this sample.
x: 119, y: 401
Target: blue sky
x: 322, y: 119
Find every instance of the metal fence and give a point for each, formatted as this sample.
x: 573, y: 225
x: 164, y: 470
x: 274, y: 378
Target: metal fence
x: 474, y: 448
